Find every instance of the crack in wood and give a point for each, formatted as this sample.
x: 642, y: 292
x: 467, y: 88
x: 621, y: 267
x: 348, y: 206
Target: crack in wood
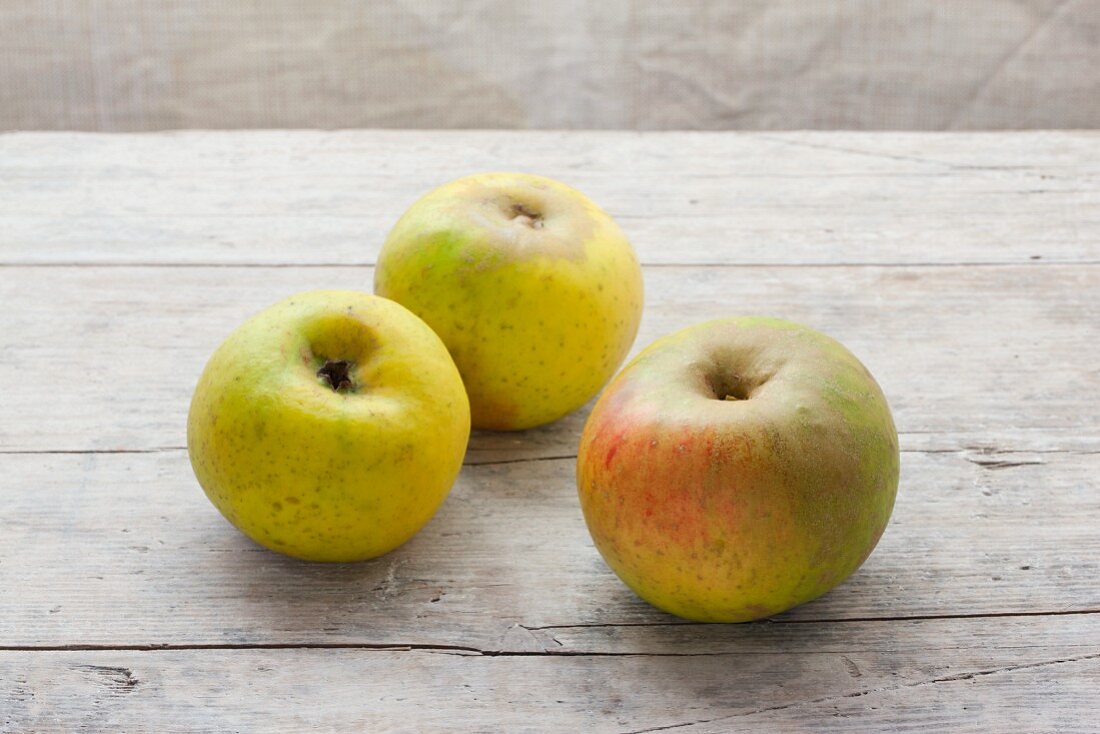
x: 82, y: 452
x: 562, y: 457
x: 498, y: 462
x: 388, y: 647
x: 995, y: 464
x: 833, y: 620
x: 472, y: 650
x: 1030, y: 263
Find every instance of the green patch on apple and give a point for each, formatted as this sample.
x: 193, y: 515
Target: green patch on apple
x: 533, y: 288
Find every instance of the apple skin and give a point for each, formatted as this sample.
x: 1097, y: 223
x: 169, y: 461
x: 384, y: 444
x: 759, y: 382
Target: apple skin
x: 533, y: 288
x: 318, y: 474
x: 730, y: 510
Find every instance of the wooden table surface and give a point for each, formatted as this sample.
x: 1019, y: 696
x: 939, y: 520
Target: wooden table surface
x: 963, y: 269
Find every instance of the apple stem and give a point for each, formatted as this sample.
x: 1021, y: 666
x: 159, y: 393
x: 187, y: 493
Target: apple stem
x: 337, y: 373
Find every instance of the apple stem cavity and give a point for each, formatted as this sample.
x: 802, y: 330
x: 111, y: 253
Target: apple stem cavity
x: 337, y: 373
x: 526, y: 216
x: 729, y: 387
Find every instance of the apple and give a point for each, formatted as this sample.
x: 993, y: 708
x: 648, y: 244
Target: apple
x: 533, y: 288
x: 330, y: 426
x: 738, y: 468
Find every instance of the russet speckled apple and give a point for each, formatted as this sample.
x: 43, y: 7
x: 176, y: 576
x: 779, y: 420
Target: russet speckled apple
x: 738, y: 468
x: 533, y: 288
x: 330, y: 426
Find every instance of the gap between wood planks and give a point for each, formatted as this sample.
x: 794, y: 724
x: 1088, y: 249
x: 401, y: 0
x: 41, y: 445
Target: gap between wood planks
x: 987, y: 458
x: 477, y: 651
x: 1034, y: 261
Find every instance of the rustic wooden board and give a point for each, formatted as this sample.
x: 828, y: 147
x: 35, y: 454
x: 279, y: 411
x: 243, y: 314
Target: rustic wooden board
x: 964, y: 270
x: 995, y: 356
x: 946, y: 674
x: 330, y: 198
x: 128, y: 551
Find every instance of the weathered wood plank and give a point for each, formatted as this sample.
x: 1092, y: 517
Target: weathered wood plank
x: 124, y: 549
x: 517, y: 623
x: 979, y: 358
x: 1038, y: 675
x: 330, y: 197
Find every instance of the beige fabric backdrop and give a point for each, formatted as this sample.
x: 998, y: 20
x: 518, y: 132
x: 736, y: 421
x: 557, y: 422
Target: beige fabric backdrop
x: 750, y: 64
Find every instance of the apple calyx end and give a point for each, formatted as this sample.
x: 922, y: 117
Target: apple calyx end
x: 336, y: 374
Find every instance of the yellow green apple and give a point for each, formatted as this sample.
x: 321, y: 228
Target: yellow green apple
x: 533, y: 288
x: 738, y: 468
x: 330, y: 426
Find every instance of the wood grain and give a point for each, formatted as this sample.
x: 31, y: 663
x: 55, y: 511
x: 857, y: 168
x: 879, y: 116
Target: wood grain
x: 997, y: 357
x: 949, y: 674
x: 683, y: 198
x: 963, y: 270
x: 124, y: 549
